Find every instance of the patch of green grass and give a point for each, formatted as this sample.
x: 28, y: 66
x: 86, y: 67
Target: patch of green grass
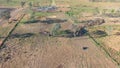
x: 11, y: 3
x: 82, y: 9
x: 23, y: 21
x: 17, y: 2
x: 42, y: 14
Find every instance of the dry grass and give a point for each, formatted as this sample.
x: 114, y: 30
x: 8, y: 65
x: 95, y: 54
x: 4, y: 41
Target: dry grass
x: 47, y: 52
x: 38, y: 51
x: 112, y: 42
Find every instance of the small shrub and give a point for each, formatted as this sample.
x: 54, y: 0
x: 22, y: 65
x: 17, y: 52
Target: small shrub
x: 30, y: 5
x: 22, y: 3
x: 112, y: 11
x: 99, y: 33
x: 82, y: 32
x: 65, y: 33
x: 97, y: 10
x: 104, y: 11
x: 5, y: 15
x: 55, y: 29
x: 70, y: 13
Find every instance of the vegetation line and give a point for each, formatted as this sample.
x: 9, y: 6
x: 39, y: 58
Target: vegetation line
x: 2, y: 44
x: 98, y: 44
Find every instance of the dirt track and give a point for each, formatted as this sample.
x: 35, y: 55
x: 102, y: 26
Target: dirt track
x: 46, y: 52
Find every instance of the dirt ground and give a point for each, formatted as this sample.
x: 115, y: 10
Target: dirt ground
x: 46, y: 52
x: 30, y: 49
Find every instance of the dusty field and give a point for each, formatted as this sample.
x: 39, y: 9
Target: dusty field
x: 27, y: 48
x: 111, y: 42
x: 32, y: 50
x: 46, y: 52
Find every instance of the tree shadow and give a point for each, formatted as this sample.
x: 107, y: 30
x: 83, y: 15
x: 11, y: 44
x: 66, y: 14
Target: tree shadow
x: 70, y: 34
x: 81, y: 32
x: 99, y: 34
x: 32, y: 21
x: 50, y: 21
x: 26, y: 35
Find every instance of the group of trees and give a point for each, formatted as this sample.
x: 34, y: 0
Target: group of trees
x: 74, y: 32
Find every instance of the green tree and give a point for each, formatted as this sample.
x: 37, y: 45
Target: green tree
x: 70, y: 13
x: 30, y: 5
x: 55, y: 29
x: 32, y: 16
x: 22, y: 3
x: 109, y: 30
x: 112, y: 11
x: 97, y: 10
x: 5, y: 14
x: 104, y: 11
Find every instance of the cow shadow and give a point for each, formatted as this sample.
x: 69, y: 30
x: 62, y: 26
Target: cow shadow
x: 26, y: 35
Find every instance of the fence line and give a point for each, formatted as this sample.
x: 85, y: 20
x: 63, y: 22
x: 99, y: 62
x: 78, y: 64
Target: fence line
x: 6, y: 38
x: 103, y: 48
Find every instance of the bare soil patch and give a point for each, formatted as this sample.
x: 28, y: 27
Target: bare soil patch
x: 46, y: 52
